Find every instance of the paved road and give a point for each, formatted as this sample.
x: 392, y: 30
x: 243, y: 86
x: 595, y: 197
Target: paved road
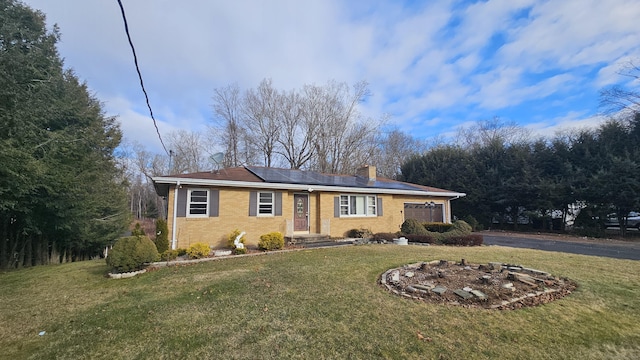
x: 614, y: 250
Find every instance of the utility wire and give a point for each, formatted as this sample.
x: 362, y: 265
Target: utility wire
x: 135, y: 60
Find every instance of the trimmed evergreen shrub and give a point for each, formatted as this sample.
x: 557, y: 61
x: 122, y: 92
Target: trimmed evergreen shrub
x: 413, y: 227
x: 169, y: 255
x: 475, y: 225
x: 438, y: 227
x: 162, y: 236
x: 132, y: 253
x: 461, y: 225
x: 422, y: 239
x: 271, y: 241
x: 137, y: 230
x: 198, y: 250
x: 181, y: 251
x: 240, y: 251
x: 464, y: 240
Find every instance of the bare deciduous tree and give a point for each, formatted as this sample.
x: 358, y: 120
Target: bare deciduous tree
x: 491, y: 131
x: 341, y: 135
x: 394, y: 149
x: 297, y: 131
x: 262, y: 112
x: 229, y: 127
x: 618, y: 98
x: 189, y: 152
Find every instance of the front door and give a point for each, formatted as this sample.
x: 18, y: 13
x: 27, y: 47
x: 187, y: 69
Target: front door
x: 300, y: 212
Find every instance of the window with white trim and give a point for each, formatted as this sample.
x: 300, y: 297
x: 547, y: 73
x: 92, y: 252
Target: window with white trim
x: 266, y: 203
x: 358, y: 205
x: 198, y: 203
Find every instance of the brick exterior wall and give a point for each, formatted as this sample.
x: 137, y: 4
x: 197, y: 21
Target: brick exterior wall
x: 234, y: 214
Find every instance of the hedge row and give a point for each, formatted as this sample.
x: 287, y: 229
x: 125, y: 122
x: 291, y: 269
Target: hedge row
x: 461, y: 240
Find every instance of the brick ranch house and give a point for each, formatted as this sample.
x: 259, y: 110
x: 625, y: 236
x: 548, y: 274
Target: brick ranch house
x: 259, y: 200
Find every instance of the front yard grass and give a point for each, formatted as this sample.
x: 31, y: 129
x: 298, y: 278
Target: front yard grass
x: 312, y: 304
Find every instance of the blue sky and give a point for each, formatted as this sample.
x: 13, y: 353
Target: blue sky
x: 432, y: 66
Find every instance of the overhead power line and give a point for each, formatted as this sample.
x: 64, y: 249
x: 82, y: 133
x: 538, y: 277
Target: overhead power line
x: 135, y: 61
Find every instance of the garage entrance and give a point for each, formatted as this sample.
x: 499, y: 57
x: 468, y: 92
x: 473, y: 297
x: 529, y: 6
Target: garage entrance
x: 423, y: 212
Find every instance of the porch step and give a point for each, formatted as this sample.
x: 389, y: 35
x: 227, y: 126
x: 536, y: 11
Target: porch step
x: 304, y: 239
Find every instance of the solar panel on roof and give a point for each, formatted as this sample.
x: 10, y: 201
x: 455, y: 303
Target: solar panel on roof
x: 285, y: 176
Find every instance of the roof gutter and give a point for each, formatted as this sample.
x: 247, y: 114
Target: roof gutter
x: 302, y: 187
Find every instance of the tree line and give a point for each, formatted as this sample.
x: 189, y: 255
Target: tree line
x: 511, y: 179
x: 61, y: 194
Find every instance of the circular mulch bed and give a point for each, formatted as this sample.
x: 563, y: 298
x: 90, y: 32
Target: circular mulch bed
x: 490, y: 286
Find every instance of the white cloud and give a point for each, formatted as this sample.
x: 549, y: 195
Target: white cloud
x: 428, y: 63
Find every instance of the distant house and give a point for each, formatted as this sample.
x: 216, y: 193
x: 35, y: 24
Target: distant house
x: 207, y: 206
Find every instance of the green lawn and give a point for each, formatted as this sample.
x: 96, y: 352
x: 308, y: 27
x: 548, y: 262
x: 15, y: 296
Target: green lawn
x: 312, y: 304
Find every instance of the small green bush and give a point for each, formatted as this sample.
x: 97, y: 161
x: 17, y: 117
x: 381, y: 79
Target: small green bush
x: 461, y: 225
x: 240, y: 251
x: 137, y: 230
x: 475, y: 224
x: 169, y: 255
x: 132, y: 253
x: 359, y: 233
x: 271, y: 241
x: 422, y: 239
x: 438, y: 227
x: 198, y: 250
x: 464, y: 240
x: 232, y: 238
x: 181, y: 251
x: 162, y: 236
x: 413, y: 227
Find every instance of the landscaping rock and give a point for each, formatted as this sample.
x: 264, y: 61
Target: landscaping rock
x: 439, y: 290
x: 463, y: 294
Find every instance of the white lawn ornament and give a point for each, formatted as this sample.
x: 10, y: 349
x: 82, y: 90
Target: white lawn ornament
x: 236, y: 243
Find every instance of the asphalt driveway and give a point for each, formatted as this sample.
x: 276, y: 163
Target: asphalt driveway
x: 596, y: 247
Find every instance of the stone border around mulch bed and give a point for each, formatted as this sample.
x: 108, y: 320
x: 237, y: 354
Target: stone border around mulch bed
x: 554, y: 288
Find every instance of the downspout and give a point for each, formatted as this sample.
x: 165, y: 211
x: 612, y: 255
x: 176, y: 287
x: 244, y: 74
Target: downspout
x: 174, y: 241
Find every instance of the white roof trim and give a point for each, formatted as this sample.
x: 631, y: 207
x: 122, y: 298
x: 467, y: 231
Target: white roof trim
x: 303, y: 187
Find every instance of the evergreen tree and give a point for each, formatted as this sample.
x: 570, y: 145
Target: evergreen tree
x: 59, y: 195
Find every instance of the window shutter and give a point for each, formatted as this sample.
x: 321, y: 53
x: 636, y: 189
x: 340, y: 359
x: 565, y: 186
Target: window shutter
x: 278, y: 204
x: 379, y: 209
x: 336, y: 206
x: 182, y: 202
x: 214, y: 203
x: 253, y: 203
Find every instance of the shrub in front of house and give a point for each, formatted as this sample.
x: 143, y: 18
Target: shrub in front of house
x: 461, y: 226
x: 475, y: 224
x: 359, y: 233
x: 162, y: 236
x: 198, y: 250
x: 169, y: 255
x: 438, y: 227
x: 271, y: 241
x: 422, y: 239
x: 132, y: 253
x: 464, y: 240
x: 240, y: 251
x: 137, y: 230
x: 413, y: 227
